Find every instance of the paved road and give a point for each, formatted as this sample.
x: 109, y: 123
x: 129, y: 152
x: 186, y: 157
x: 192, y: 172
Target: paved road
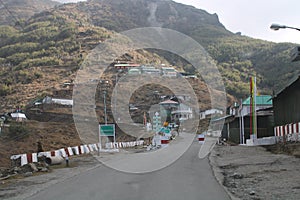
x: 189, y: 178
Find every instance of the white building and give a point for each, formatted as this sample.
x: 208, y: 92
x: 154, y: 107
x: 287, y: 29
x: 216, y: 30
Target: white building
x: 210, y: 112
x: 169, y: 72
x: 183, y: 112
x: 19, y: 117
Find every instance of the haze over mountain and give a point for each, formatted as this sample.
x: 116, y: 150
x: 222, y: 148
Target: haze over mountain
x: 48, y: 46
x: 12, y: 11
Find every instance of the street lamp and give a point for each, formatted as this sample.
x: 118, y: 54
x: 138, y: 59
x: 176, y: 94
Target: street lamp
x: 296, y: 51
x: 276, y: 27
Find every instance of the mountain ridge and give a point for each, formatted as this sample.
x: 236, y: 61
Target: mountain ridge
x: 57, y: 37
x: 15, y: 11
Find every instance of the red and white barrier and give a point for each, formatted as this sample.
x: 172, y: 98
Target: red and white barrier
x: 159, y: 140
x: 201, y: 138
x: 76, y: 150
x: 81, y: 149
x: 117, y: 145
x: 290, y: 131
x: 164, y: 141
x: 26, y: 158
x: 63, y: 152
x: 93, y: 147
x: 69, y: 151
x: 46, y: 154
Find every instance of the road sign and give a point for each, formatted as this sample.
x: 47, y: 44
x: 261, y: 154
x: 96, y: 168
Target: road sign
x: 107, y: 130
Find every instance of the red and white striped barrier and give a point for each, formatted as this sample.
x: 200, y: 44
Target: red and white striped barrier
x: 159, y: 140
x: 291, y: 131
x: 28, y: 158
x: 70, y: 151
x: 164, y: 141
x: 201, y: 138
x: 63, y: 152
x: 117, y: 145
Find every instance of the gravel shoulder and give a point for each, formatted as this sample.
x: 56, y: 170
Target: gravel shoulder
x: 255, y: 173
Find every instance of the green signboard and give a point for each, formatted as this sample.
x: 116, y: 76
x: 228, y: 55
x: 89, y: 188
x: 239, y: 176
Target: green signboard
x: 107, y: 130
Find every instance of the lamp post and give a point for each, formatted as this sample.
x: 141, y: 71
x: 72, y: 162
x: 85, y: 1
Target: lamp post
x: 276, y: 27
x: 296, y: 51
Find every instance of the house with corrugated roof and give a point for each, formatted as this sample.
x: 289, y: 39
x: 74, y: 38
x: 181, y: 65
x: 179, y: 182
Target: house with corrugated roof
x: 286, y: 103
x: 262, y: 102
x: 287, y: 110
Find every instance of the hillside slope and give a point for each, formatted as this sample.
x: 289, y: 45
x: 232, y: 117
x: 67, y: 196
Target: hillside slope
x: 238, y: 57
x: 50, y: 46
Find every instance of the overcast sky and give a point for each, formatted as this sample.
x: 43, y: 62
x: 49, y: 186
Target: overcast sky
x: 253, y: 17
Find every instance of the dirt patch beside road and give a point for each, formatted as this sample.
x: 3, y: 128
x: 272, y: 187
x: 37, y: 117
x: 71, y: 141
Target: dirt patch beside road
x: 21, y: 187
x: 292, y: 149
x: 255, y: 173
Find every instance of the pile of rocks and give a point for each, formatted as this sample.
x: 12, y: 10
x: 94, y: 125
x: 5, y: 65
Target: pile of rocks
x: 25, y: 170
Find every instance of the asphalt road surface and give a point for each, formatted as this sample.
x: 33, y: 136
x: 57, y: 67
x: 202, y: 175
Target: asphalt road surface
x: 189, y: 178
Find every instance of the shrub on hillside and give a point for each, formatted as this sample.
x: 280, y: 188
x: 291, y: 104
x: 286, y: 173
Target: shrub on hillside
x: 16, y: 131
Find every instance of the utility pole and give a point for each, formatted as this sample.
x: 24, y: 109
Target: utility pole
x: 105, y: 110
x: 104, y: 86
x: 115, y: 99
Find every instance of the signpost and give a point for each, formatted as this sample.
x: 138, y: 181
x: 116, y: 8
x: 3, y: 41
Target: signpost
x: 106, y: 130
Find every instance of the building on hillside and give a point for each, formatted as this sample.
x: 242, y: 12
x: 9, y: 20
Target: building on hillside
x: 182, y: 113
x: 58, y: 101
x: 126, y: 65
x: 150, y: 70
x: 184, y: 97
x: 169, y: 72
x: 166, y: 108
x: 64, y: 102
x: 19, y: 117
x: 134, y: 71
x: 210, y: 112
x: 178, y: 98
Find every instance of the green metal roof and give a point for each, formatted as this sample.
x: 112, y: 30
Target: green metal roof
x: 260, y: 100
